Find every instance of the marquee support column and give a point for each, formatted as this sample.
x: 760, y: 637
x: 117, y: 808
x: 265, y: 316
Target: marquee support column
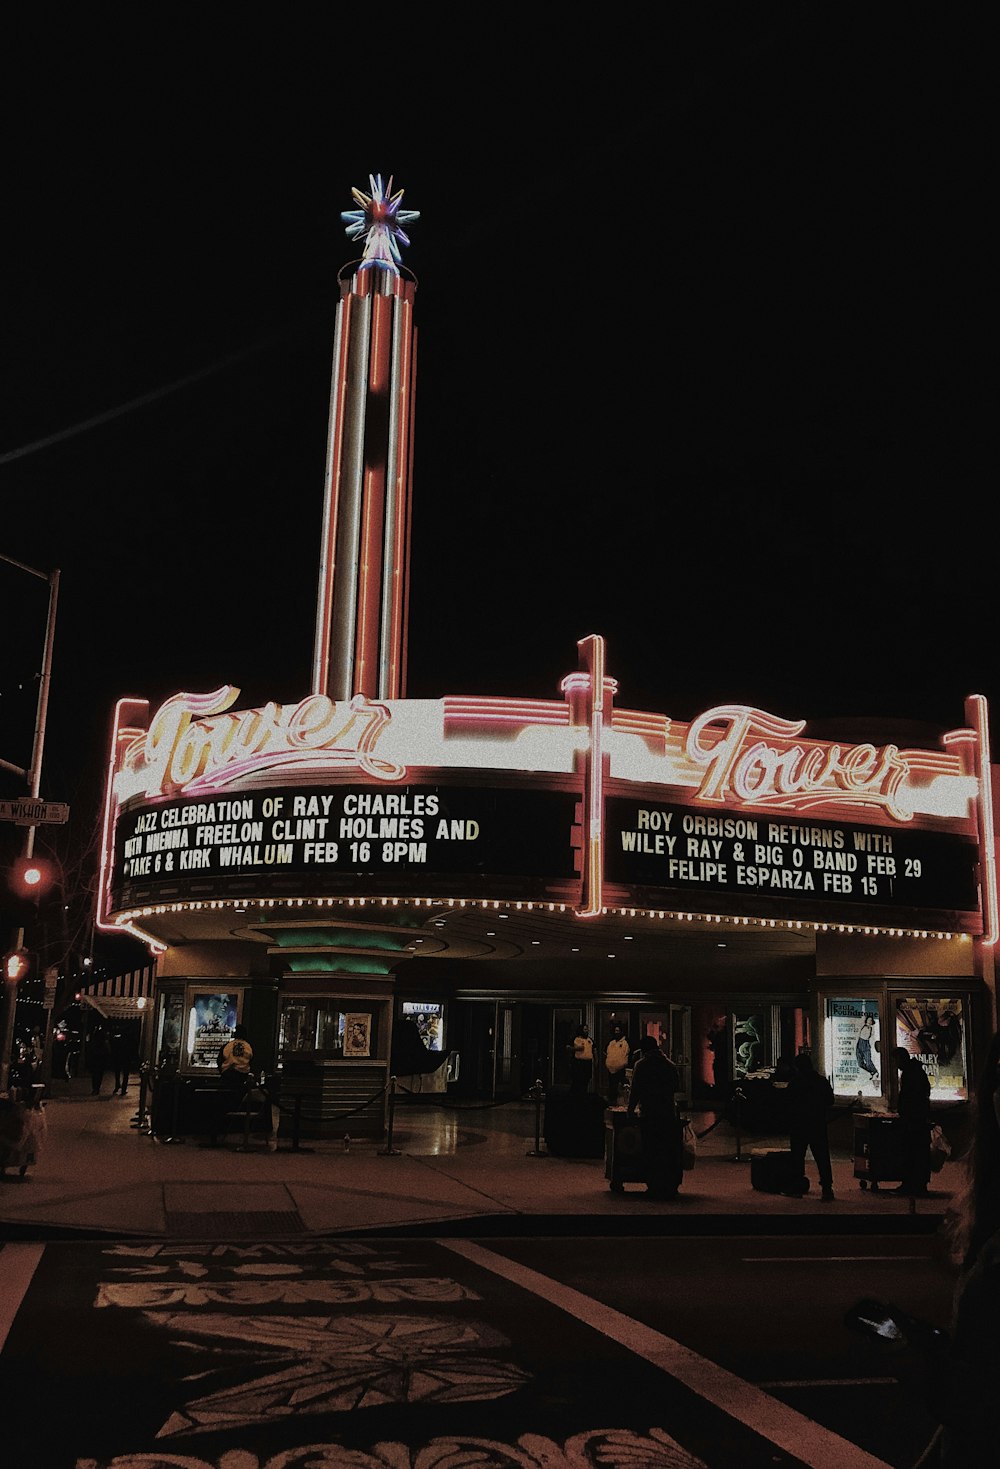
x: 598, y: 692
x: 361, y: 608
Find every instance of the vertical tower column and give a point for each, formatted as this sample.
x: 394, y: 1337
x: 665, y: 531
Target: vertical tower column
x: 360, y: 642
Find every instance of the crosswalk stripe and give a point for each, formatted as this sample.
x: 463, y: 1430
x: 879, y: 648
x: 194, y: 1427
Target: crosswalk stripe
x: 808, y: 1441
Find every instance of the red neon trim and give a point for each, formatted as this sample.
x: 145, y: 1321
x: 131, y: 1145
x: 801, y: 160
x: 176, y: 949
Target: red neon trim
x: 400, y: 471
x: 122, y: 736
x: 324, y: 606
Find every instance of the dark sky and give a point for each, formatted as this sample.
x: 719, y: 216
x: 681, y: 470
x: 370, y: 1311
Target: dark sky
x: 702, y: 362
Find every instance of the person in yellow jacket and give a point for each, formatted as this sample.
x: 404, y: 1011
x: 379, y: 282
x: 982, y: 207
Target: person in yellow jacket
x: 235, y: 1058
x: 582, y: 1069
x: 616, y: 1059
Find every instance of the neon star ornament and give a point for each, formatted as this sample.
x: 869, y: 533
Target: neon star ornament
x: 379, y: 223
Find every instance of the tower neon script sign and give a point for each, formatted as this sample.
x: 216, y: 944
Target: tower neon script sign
x: 740, y: 764
x: 193, y: 744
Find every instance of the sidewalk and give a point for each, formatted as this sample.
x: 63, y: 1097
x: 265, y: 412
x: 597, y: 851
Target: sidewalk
x: 452, y: 1170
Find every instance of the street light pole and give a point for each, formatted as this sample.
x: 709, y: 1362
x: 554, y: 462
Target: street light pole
x: 34, y: 777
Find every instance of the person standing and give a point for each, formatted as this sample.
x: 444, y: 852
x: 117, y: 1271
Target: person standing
x: 655, y: 1082
x: 582, y: 1064
x: 616, y: 1061
x: 810, y: 1097
x: 98, y: 1058
x: 22, y: 1074
x: 914, y: 1108
x: 233, y: 1061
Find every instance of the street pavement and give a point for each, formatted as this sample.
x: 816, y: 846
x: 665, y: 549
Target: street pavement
x: 170, y: 1306
x: 368, y: 1354
x: 451, y: 1169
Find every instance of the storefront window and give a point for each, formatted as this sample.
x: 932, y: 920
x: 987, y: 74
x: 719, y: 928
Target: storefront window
x: 565, y: 1019
x: 321, y: 1030
x: 170, y: 1027
x: 854, y: 1046
x: 427, y: 1016
x: 656, y: 1024
x: 934, y: 1031
x: 751, y: 1043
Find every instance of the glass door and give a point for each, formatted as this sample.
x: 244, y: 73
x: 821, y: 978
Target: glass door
x: 680, y: 1046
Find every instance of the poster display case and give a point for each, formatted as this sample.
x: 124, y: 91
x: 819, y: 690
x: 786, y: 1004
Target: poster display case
x: 193, y: 1022
x: 318, y: 1028
x: 853, y: 1046
x: 428, y: 1017
x: 933, y: 1028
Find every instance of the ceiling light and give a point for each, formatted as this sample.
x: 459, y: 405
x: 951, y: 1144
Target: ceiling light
x: 536, y: 941
x: 720, y: 946
x: 628, y: 938
x: 611, y: 956
x: 491, y: 933
x: 574, y: 951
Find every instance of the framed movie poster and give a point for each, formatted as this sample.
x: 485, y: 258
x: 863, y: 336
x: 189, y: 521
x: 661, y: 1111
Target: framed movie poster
x: 212, y: 1017
x: 933, y: 1030
x: 357, y: 1035
x: 854, y: 1046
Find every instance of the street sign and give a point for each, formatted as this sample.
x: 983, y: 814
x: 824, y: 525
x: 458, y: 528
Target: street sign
x: 51, y: 985
x: 26, y: 811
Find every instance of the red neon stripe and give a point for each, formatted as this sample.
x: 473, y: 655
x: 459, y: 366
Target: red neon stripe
x: 373, y: 514
x: 400, y: 473
x: 324, y: 610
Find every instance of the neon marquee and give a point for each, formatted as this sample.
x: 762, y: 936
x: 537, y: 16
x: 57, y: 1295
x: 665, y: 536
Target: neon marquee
x: 193, y: 744
x: 732, y: 755
x: 738, y: 765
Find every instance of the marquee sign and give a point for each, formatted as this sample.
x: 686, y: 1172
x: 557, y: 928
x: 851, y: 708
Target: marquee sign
x: 657, y: 847
x: 330, y: 837
x: 733, y: 812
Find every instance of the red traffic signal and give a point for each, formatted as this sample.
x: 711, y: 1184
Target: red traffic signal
x: 32, y: 877
x: 16, y: 964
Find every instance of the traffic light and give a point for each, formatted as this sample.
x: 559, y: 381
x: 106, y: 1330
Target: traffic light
x: 16, y: 964
x: 32, y: 877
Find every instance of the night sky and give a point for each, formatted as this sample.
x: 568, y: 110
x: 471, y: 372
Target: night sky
x: 702, y: 357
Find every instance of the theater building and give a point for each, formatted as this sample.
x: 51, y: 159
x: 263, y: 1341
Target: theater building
x: 497, y: 870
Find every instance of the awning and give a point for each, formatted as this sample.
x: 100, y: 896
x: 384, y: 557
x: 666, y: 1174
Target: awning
x: 124, y: 997
x: 117, y: 1007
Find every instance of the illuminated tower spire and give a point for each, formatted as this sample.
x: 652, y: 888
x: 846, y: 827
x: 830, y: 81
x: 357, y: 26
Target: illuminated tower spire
x: 361, y: 608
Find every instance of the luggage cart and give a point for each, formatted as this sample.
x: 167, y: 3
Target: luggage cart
x: 622, y: 1150
x: 878, y: 1149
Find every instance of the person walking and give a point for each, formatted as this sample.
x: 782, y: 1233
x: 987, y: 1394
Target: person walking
x: 98, y: 1059
x: 914, y: 1108
x: 616, y: 1059
x: 122, y: 1059
x: 582, y: 1065
x: 655, y: 1082
x: 810, y: 1098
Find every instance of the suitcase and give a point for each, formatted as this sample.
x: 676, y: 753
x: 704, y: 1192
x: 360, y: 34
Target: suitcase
x: 574, y: 1125
x: 771, y: 1173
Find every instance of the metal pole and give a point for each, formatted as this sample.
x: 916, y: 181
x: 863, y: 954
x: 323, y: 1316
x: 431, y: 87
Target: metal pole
x: 389, y: 1151
x: 536, y: 1093
x: 297, y: 1126
x: 35, y: 779
x: 738, y: 1099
